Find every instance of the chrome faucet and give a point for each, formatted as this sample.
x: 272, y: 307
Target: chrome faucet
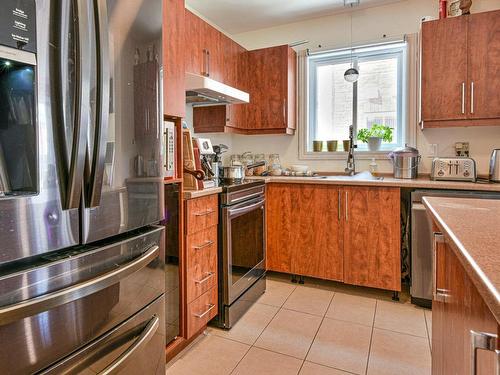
x: 351, y: 165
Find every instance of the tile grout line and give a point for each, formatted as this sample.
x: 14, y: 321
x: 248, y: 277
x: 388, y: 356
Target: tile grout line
x: 371, y: 338
x: 429, y: 334
x: 316, y: 334
x: 260, y: 334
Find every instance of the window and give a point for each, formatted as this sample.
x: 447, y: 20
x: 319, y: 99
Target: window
x: 378, y: 97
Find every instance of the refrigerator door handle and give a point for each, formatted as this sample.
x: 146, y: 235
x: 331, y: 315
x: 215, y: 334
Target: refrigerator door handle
x: 103, y: 97
x: 72, y: 185
x: 49, y: 301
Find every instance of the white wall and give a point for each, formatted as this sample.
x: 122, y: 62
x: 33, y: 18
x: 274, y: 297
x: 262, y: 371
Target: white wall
x: 392, y: 20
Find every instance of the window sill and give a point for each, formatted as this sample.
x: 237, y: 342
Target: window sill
x: 342, y: 155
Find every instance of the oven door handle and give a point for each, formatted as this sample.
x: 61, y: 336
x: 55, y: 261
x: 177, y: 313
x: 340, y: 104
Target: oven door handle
x: 245, y: 209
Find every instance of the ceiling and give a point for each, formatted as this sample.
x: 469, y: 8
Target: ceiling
x: 237, y: 16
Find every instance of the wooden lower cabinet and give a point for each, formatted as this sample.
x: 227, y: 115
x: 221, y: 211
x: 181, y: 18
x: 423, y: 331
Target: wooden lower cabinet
x: 304, y: 230
x: 200, y: 279
x: 201, y: 311
x: 458, y: 309
x: 349, y: 234
x: 372, y: 237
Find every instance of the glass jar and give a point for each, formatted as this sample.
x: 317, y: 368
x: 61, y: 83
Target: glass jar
x: 274, y: 165
x: 236, y: 160
x: 247, y: 159
x: 260, y: 170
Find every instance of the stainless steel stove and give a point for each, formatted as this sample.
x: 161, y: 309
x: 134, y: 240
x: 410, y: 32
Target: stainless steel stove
x: 242, y: 249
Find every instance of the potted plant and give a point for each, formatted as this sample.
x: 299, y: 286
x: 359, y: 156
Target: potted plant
x: 375, y: 135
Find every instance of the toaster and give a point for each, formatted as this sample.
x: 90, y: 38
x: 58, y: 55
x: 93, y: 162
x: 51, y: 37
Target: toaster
x: 495, y: 166
x: 454, y: 169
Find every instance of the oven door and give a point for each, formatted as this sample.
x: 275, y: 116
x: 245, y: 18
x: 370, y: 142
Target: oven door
x: 244, y: 246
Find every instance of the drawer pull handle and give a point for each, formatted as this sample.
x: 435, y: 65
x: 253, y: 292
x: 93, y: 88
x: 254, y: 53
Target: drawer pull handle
x: 205, y: 279
x: 205, y: 213
x: 206, y: 244
x: 483, y: 341
x: 210, y: 308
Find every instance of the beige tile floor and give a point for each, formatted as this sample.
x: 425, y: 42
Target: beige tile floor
x: 320, y: 328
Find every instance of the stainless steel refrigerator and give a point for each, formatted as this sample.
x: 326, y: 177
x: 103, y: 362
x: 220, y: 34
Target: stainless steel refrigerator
x: 81, y: 190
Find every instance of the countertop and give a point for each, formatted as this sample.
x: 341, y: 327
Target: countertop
x: 423, y: 182
x: 191, y: 194
x: 471, y: 227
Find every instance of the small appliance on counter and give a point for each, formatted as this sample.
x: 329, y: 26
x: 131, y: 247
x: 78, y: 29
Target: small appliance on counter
x: 405, y: 161
x: 494, y: 174
x: 454, y: 169
x: 169, y: 152
x: 207, y: 155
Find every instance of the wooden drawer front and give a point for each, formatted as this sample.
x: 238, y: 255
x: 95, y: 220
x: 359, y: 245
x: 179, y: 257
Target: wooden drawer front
x: 201, y: 262
x: 201, y: 311
x: 202, y: 213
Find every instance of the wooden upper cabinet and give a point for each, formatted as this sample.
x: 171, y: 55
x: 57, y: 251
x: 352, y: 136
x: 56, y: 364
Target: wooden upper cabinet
x: 372, y: 237
x: 193, y: 45
x: 173, y: 59
x: 461, y: 71
x: 271, y: 85
x: 212, y: 39
x: 444, y: 69
x: 203, y: 48
x: 484, y: 65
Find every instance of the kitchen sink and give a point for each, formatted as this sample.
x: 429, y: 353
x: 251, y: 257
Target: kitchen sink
x: 360, y: 176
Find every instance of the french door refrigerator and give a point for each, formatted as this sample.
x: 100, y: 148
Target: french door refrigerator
x: 81, y: 257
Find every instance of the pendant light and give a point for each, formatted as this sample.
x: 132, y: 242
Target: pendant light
x: 352, y: 74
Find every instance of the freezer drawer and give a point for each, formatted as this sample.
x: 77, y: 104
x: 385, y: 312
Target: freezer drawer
x: 136, y: 346
x: 67, y: 300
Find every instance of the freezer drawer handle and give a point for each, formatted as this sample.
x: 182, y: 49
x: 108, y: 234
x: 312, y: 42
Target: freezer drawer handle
x: 49, y: 301
x: 210, y: 308
x: 143, y: 339
x: 483, y: 341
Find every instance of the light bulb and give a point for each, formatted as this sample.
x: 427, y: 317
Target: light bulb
x: 7, y: 63
x: 351, y: 75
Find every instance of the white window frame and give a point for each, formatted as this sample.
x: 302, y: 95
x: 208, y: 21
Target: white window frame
x: 307, y: 64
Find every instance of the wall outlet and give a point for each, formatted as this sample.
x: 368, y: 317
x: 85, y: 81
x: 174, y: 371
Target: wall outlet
x: 462, y: 149
x: 432, y: 150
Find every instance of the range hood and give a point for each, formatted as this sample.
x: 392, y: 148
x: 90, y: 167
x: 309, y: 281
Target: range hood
x: 202, y: 90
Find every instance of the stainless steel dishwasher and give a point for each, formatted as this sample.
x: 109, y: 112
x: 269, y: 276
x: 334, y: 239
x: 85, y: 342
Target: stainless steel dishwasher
x: 421, y: 240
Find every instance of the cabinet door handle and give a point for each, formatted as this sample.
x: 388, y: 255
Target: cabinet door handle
x: 228, y: 117
x: 472, y: 97
x: 339, y: 204
x: 208, y: 63
x: 210, y: 308
x: 463, y: 98
x: 483, y: 341
x: 284, y: 111
x: 204, y: 213
x: 346, y: 206
x: 438, y: 294
x: 206, y: 244
x: 205, y: 58
x: 205, y: 279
